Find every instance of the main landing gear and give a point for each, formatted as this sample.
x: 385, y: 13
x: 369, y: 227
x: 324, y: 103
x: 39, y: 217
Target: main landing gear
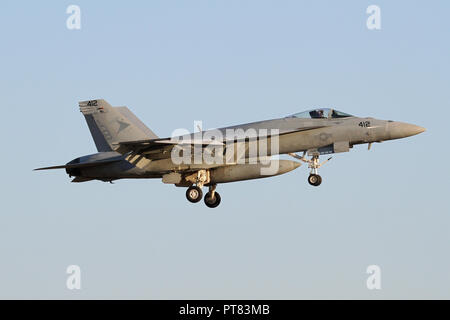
x: 314, y: 179
x: 212, y: 197
x: 194, y: 193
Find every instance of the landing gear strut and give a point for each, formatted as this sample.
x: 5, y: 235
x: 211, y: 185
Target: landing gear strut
x: 212, y: 198
x: 314, y: 179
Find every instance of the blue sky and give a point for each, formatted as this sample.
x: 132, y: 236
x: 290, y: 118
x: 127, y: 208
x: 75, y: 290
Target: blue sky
x: 225, y: 62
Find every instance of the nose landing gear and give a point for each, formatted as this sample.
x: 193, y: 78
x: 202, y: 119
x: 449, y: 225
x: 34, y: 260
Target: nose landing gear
x: 314, y: 178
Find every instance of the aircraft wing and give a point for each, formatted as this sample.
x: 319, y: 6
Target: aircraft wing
x: 168, y: 141
x: 160, y: 148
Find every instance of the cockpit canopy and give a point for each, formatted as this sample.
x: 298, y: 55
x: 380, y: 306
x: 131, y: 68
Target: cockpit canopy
x: 322, y: 113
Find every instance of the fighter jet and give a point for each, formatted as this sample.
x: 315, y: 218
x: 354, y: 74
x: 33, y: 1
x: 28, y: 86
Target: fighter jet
x: 127, y: 149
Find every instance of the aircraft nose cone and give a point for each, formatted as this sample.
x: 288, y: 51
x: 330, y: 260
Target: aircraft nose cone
x: 400, y: 130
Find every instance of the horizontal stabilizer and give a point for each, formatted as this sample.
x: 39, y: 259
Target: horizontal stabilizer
x: 82, y: 179
x: 51, y: 168
x: 81, y: 165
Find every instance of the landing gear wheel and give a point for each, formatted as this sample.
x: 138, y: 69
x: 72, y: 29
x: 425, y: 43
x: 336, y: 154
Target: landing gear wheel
x: 212, y: 202
x: 194, y: 194
x: 315, y: 180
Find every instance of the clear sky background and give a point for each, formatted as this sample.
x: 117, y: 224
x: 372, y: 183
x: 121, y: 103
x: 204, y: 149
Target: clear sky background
x: 225, y: 62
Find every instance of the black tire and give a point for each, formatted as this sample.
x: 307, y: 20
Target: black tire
x: 212, y: 203
x: 320, y: 181
x: 194, y: 194
x: 315, y: 180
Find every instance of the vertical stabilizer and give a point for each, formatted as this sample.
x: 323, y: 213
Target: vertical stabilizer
x: 109, y: 125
